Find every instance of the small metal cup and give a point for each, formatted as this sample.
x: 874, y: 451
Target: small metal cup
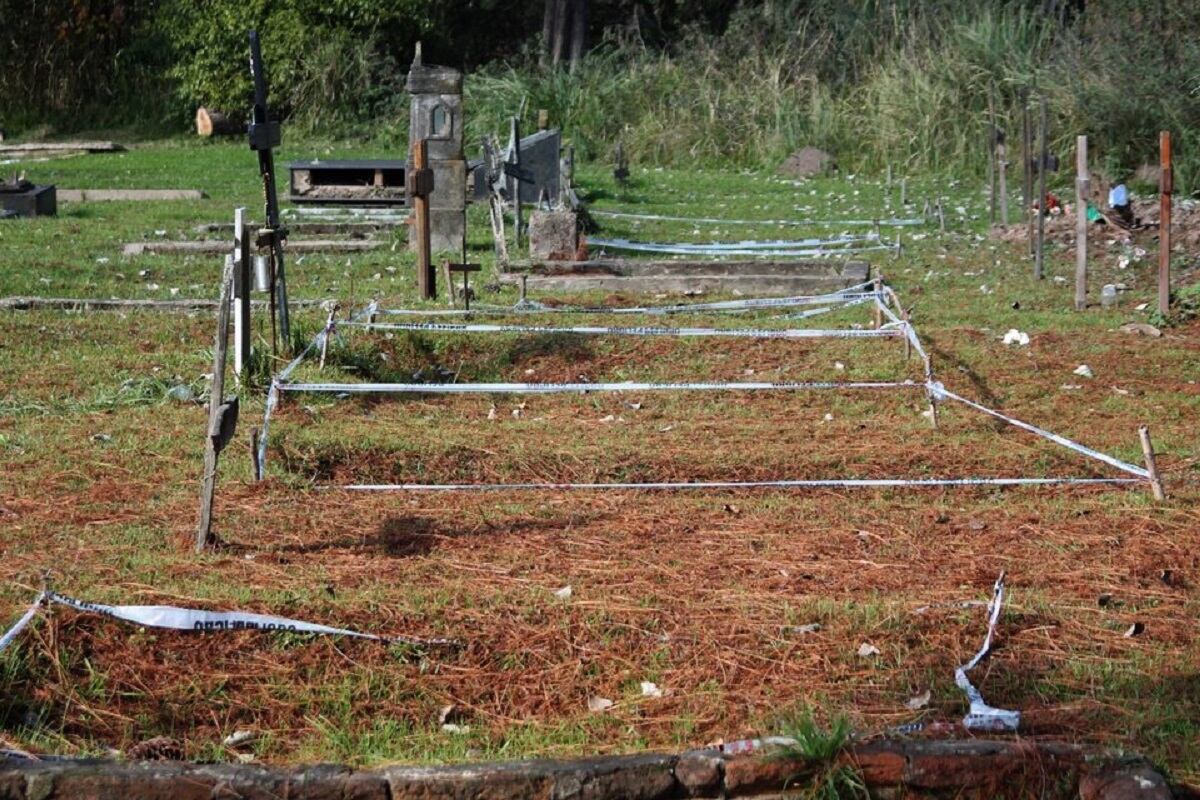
x: 262, y: 274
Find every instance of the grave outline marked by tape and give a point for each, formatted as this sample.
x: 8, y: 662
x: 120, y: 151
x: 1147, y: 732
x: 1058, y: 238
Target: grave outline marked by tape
x: 887, y: 305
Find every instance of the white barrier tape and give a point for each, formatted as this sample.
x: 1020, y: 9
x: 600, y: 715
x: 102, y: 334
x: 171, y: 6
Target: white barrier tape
x: 940, y: 392
x: 746, y: 244
x: 571, y: 388
x: 272, y: 402
x: 190, y: 619
x: 891, y: 223
x: 833, y: 483
x: 608, y: 330
x: 825, y: 309
x: 846, y: 295
x: 23, y: 622
x: 981, y: 716
x: 696, y: 250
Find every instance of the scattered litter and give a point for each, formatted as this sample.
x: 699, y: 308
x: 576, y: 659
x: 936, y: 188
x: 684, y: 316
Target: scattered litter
x: 1136, y: 629
x: 866, y: 650
x: 917, y: 702
x: 564, y: 593
x: 1141, y: 306
x: 651, y: 689
x: 1017, y: 337
x: 239, y: 738
x: 1084, y: 371
x: 829, y: 417
x: 492, y: 412
x: 101, y: 437
x: 1141, y: 329
x: 181, y: 393
x: 839, y: 366
x: 811, y: 627
x: 598, y: 705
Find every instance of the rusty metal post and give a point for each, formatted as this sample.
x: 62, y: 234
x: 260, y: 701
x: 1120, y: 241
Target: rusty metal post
x: 1166, y: 186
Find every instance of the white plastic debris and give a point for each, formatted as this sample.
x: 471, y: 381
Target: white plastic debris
x: 867, y: 650
x: 598, y: 705
x: 650, y: 689
x: 564, y: 593
x: 1016, y: 337
x: 1084, y: 371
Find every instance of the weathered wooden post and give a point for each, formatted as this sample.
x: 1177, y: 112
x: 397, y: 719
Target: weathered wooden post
x: 1166, y: 187
x: 222, y: 412
x: 1002, y: 173
x: 1043, y: 157
x: 1082, y: 186
x: 1156, y: 486
x: 420, y: 187
x: 1027, y: 169
x: 991, y: 151
x: 514, y: 181
x: 241, y: 293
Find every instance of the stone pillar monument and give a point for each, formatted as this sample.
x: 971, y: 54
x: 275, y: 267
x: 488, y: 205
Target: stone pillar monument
x: 437, y: 116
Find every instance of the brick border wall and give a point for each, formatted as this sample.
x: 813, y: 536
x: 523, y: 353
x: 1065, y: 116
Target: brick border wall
x: 890, y: 768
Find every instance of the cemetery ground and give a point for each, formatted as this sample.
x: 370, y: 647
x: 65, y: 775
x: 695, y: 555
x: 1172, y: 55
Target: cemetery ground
x: 709, y: 596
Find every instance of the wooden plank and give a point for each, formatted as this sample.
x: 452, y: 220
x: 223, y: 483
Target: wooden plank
x: 1043, y: 154
x: 426, y: 278
x: 121, y: 195
x: 50, y: 147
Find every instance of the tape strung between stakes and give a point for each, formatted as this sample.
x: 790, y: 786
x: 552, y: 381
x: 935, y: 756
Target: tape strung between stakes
x: 532, y: 307
x: 832, y: 483
x: 891, y: 223
x: 610, y: 330
x: 574, y: 388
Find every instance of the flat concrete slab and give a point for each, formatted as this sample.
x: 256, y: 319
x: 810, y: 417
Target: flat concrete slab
x: 218, y: 246
x: 110, y: 195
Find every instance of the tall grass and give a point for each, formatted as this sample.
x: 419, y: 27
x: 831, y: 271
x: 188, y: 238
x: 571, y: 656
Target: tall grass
x: 874, y: 82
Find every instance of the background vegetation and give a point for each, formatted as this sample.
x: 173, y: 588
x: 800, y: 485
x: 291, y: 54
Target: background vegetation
x: 874, y: 81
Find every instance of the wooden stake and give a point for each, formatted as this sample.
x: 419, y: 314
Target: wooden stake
x: 241, y: 292
x: 212, y: 442
x: 254, y: 471
x: 1082, y: 186
x: 1166, y: 187
x: 878, y: 311
x: 325, y: 338
x: 991, y: 153
x: 1002, y: 167
x: 1044, y: 154
x: 426, y: 278
x: 1027, y: 168
x: 1156, y: 486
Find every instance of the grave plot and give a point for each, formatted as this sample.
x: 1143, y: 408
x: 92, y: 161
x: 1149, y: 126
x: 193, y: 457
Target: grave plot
x: 634, y: 468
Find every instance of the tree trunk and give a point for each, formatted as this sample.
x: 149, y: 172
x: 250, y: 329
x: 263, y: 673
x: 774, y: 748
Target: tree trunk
x: 579, y: 14
x: 215, y: 123
x: 564, y: 31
